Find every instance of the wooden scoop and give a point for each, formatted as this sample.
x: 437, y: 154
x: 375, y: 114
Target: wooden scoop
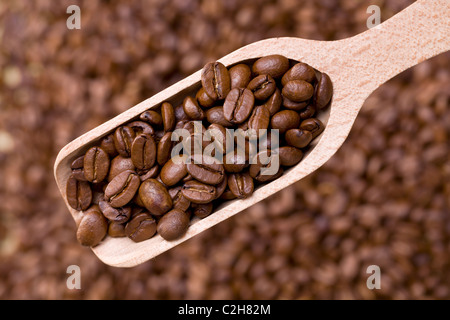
x: 357, y: 66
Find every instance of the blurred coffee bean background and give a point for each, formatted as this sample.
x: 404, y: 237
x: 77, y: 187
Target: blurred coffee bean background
x: 383, y: 199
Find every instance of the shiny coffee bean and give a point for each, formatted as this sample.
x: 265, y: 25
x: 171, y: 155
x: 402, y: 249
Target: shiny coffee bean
x: 241, y: 185
x: 164, y: 149
x: 216, y: 115
x: 238, y: 105
x: 198, y: 192
x: 173, y: 171
x: 300, y: 71
x: 218, y: 135
x: 141, y: 127
x: 298, y: 90
x: 123, y: 139
x: 77, y: 167
x: 78, y: 193
x: 143, y: 152
x: 202, y: 210
x: 265, y: 167
x: 273, y: 65
x: 260, y: 119
x: 179, y: 201
x: 205, y: 169
x: 179, y: 114
x: 285, y: 120
x: 262, y: 86
x: 323, y: 92
x: 240, y: 76
x: 289, y: 156
x: 234, y: 161
x: 150, y: 174
x: 152, y: 117
x: 173, y: 224
x: 168, y: 116
x: 155, y: 197
x: 296, y: 106
x: 313, y: 125
x: 142, y: 226
x: 307, y: 113
x: 96, y: 165
x: 107, y: 144
x: 298, y: 138
x: 116, y: 230
x: 273, y: 103
x: 118, y: 165
x: 227, y: 195
x: 220, y: 188
x: 216, y: 80
x: 203, y: 99
x: 92, y: 228
x: 122, y: 188
x: 119, y: 215
x: 137, y: 199
x: 192, y: 109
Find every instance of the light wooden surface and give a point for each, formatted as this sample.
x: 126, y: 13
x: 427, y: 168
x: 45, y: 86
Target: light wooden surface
x: 356, y: 66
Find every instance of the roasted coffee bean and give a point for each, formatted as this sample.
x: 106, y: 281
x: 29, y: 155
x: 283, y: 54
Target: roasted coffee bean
x: 220, y: 188
x: 260, y: 119
x: 323, y: 92
x: 96, y: 165
x: 227, y: 195
x: 141, y: 127
x: 107, y: 144
x: 173, y: 171
x: 216, y: 115
x: 118, y: 165
x: 216, y: 80
x: 158, y: 135
x: 179, y: 201
x: 313, y: 125
x: 202, y: 210
x: 240, y: 76
x: 273, y: 103
x: 289, y: 156
x: 152, y: 173
x: 203, y: 99
x: 122, y: 188
x: 205, y: 169
x: 262, y: 86
x: 296, y: 106
x: 198, y: 192
x: 168, y: 116
x: 273, y: 65
x: 241, y: 185
x: 235, y: 161
x: 265, y: 167
x: 137, y: 199
x: 77, y: 167
x: 116, y: 230
x: 218, y: 135
x: 300, y: 71
x: 92, y: 228
x: 192, y: 109
x: 155, y: 197
x: 143, y: 152
x: 298, y: 138
x: 307, y: 113
x: 285, y: 120
x: 119, y: 215
x: 238, y: 105
x: 123, y: 139
x: 152, y: 117
x: 164, y: 149
x: 173, y: 224
x: 142, y: 226
x: 78, y: 193
x: 298, y: 90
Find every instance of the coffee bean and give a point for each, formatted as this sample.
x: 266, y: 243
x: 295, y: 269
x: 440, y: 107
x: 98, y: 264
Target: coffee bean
x: 192, y: 109
x: 289, y: 156
x: 300, y: 71
x: 265, y: 167
x: 119, y: 215
x: 273, y: 103
x: 205, y: 169
x: 323, y: 92
x: 216, y: 115
x: 227, y: 195
x: 307, y: 113
x: 298, y: 138
x: 96, y: 165
x: 150, y: 174
x: 123, y: 139
x: 107, y: 144
x: 241, y: 185
x: 155, y: 197
x: 273, y: 65
x: 122, y: 188
x: 143, y: 152
x: 141, y: 127
x: 77, y: 167
x: 179, y: 201
x: 152, y: 117
x: 238, y: 105
x: 296, y: 106
x: 298, y: 90
x: 203, y: 99
x: 262, y: 86
x: 78, y: 193
x: 260, y: 119
x: 313, y: 125
x: 168, y: 116
x: 218, y: 135
x: 137, y: 199
x: 118, y: 165
x: 285, y: 120
x: 180, y: 115
x: 164, y: 149
x: 173, y: 171
x: 234, y: 161
x: 198, y: 192
x: 202, y: 210
x: 92, y: 228
x: 142, y: 226
x: 240, y: 76
x: 116, y: 230
x: 216, y: 80
x: 220, y: 188
x: 173, y: 224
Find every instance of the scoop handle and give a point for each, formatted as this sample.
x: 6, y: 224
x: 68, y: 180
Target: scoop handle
x: 419, y: 32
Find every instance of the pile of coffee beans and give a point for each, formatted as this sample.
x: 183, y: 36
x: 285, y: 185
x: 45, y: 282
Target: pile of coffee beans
x: 255, y: 120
